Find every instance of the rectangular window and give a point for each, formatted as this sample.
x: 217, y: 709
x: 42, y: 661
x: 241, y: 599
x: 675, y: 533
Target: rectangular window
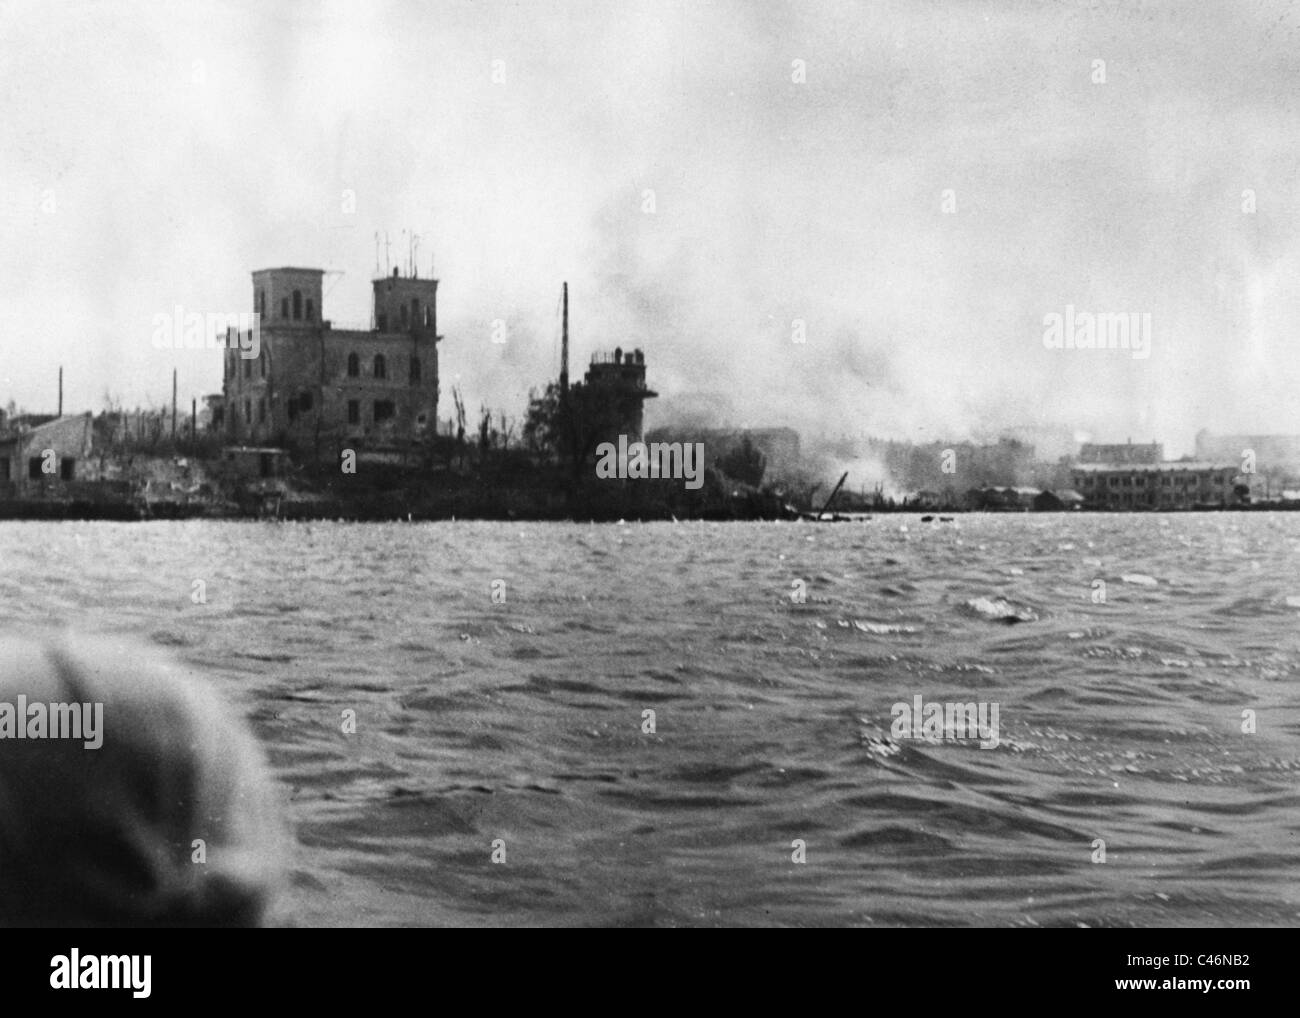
x: 354, y: 411
x: 34, y: 468
x: 248, y: 368
x: 68, y: 468
x: 383, y: 410
x: 261, y: 410
x: 4, y: 468
x: 248, y: 411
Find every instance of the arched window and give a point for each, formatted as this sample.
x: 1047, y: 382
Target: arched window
x: 310, y: 310
x: 415, y: 311
x: 415, y: 370
x: 284, y: 307
x: 354, y: 366
x: 405, y: 321
x: 426, y: 316
x: 297, y: 305
x: 381, y: 367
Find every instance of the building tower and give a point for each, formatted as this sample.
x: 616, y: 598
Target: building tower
x: 287, y: 298
x: 623, y: 378
x: 407, y: 304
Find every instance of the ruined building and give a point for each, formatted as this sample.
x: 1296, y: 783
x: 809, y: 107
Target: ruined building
x: 38, y: 453
x: 620, y: 379
x: 317, y: 389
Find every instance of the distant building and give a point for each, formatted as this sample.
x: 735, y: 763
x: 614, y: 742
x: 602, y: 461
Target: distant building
x: 623, y: 379
x: 952, y: 467
x: 1002, y: 497
x: 1273, y: 454
x: 314, y: 387
x: 1090, y: 452
x: 1179, y: 485
x: 38, y: 459
x: 212, y: 414
x: 1050, y: 442
x: 119, y: 428
x: 779, y: 446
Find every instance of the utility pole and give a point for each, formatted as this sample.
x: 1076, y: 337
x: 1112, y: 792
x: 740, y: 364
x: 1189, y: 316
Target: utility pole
x: 194, y: 420
x: 60, y: 390
x: 173, y: 404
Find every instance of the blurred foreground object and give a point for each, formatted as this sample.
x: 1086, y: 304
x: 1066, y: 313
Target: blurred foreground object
x: 130, y: 794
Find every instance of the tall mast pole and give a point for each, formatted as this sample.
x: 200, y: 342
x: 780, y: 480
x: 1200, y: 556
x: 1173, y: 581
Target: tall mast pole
x: 564, y: 349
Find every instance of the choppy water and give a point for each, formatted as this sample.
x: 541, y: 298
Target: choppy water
x: 523, y: 721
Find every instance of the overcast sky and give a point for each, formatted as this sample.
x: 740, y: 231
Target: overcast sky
x: 154, y: 155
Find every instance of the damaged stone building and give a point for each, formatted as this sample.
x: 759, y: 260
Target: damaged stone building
x: 316, y: 389
x: 39, y: 455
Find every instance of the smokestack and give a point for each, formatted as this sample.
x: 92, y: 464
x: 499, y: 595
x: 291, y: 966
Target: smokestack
x: 60, y: 390
x: 564, y: 347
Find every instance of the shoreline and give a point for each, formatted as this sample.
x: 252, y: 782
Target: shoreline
x: 14, y: 510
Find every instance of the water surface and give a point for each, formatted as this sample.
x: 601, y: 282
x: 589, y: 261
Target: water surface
x: 1120, y: 720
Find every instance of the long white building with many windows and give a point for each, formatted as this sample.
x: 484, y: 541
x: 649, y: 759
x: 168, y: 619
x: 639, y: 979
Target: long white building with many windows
x: 1175, y: 485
